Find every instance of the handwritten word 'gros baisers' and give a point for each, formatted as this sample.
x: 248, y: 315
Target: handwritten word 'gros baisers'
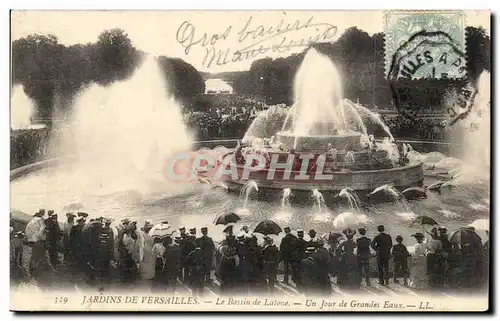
x: 257, y: 40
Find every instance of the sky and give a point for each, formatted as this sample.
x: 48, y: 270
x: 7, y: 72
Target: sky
x: 212, y: 41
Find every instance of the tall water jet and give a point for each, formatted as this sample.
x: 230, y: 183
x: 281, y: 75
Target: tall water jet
x: 320, y: 201
x: 375, y: 117
x: 284, y: 214
x: 21, y: 109
x: 317, y: 96
x: 387, y: 189
x: 246, y: 190
x: 285, y: 201
x: 122, y: 134
x: 475, y: 145
x: 351, y: 198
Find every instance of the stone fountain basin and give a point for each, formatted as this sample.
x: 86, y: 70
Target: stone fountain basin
x: 366, y: 180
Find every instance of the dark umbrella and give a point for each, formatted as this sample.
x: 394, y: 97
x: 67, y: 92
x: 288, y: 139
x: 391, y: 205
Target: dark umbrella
x: 225, y: 219
x: 267, y: 227
x: 464, y: 236
x: 423, y: 220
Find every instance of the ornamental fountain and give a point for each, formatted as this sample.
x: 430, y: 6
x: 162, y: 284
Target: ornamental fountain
x: 320, y: 143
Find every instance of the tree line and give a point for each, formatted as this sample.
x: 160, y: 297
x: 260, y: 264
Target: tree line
x: 50, y: 71
x: 360, y: 59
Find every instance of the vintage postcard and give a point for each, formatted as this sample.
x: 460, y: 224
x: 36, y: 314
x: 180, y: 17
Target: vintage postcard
x: 250, y: 161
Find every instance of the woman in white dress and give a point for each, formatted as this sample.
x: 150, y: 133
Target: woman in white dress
x: 418, y: 273
x: 147, y: 267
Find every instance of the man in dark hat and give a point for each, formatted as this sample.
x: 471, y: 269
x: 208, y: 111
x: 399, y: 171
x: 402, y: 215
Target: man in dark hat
x: 288, y: 254
x: 105, y: 253
x: 382, y: 244
x: 243, y: 268
x: 309, y: 272
x: 312, y: 236
x: 172, y: 262
x: 270, y: 256
x: 77, y: 245
x: 445, y: 266
x: 363, y: 255
x: 207, y: 248
x: 53, y: 236
x: 322, y: 258
x: 300, y: 249
x: 195, y: 263
x: 82, y: 214
x: 186, y: 245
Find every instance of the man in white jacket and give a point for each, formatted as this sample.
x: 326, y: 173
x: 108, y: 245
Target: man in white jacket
x: 35, y: 235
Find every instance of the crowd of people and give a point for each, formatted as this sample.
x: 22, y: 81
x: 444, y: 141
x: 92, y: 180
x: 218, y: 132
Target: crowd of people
x: 225, y: 116
x: 430, y: 128
x: 241, y: 263
x: 28, y: 146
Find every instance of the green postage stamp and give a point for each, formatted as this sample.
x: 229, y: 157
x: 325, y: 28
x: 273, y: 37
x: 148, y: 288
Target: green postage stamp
x: 425, y: 44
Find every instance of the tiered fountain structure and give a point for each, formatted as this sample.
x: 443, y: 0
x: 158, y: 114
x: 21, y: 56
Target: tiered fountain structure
x: 330, y: 128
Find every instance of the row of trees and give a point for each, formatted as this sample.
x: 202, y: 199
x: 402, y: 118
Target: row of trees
x: 361, y: 61
x: 50, y: 71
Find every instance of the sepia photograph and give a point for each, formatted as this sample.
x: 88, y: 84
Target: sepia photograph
x: 250, y: 161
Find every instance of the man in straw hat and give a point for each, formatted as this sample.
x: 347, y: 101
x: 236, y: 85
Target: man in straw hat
x: 288, y: 254
x: 382, y: 244
x: 301, y: 245
x: 309, y: 268
x: 207, y: 247
x: 35, y: 235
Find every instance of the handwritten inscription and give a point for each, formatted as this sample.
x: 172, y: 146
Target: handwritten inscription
x: 240, y: 43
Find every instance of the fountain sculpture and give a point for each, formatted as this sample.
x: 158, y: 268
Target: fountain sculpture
x: 323, y: 143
